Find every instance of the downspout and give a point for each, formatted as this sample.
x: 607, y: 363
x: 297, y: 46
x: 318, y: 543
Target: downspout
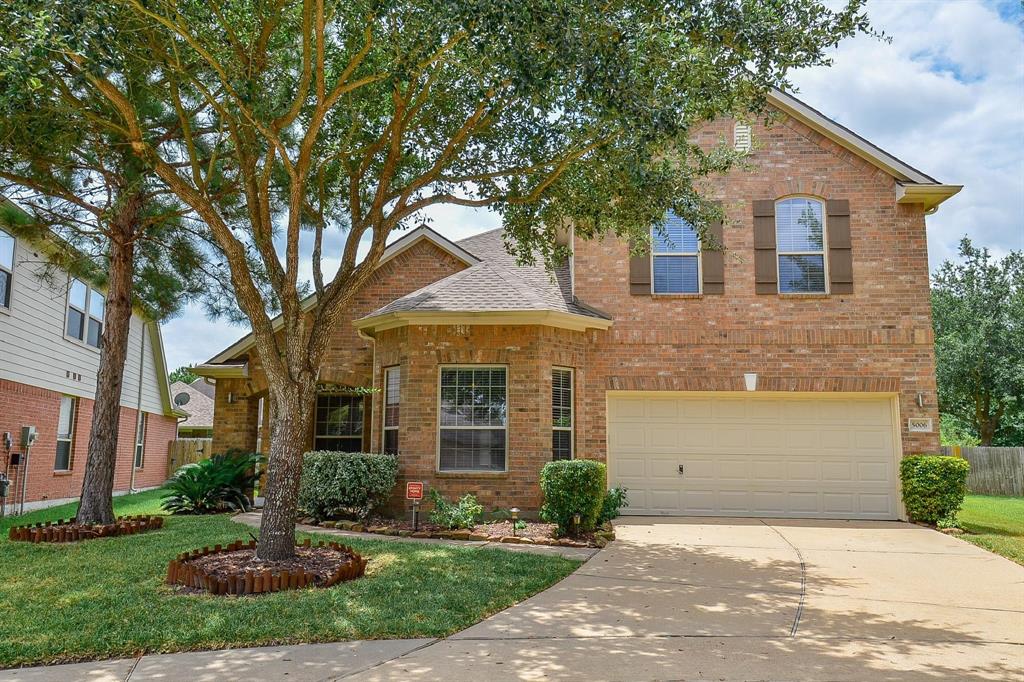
x: 138, y: 409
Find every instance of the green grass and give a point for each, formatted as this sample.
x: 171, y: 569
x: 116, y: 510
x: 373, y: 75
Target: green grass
x: 995, y: 523
x: 105, y: 598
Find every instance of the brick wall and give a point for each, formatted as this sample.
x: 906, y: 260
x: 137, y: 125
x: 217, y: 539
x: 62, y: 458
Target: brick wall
x: 22, y: 405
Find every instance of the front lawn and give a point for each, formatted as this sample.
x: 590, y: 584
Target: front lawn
x: 106, y: 598
x: 995, y: 523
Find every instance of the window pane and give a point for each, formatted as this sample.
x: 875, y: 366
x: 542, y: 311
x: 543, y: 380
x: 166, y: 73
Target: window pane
x: 63, y: 460
x: 96, y: 303
x: 561, y: 397
x: 675, y: 235
x: 66, y: 418
x: 675, y: 275
x: 473, y: 449
x: 95, y: 332
x: 76, y: 322
x: 6, y: 250
x: 350, y: 444
x: 391, y: 441
x: 5, y: 289
x: 77, y: 296
x: 338, y: 416
x: 561, y: 445
x: 391, y: 396
x: 799, y: 226
x: 802, y: 274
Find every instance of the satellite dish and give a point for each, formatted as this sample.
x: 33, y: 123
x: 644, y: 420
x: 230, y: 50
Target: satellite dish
x: 181, y: 399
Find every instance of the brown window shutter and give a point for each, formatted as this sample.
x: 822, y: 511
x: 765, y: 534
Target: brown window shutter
x: 766, y: 270
x: 840, y: 254
x: 712, y: 260
x: 639, y: 273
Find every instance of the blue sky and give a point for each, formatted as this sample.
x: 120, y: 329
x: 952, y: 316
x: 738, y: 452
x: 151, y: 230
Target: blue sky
x: 946, y: 96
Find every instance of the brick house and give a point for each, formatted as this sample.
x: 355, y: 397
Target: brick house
x: 51, y: 326
x: 784, y: 375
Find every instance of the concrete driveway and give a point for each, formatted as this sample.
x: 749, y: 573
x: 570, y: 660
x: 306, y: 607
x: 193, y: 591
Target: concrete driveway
x: 746, y: 599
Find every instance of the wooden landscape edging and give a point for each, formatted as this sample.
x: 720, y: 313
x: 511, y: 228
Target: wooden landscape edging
x: 181, y: 572
x: 70, y: 531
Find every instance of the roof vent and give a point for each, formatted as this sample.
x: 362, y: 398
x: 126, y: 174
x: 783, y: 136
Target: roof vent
x: 742, y: 137
x: 181, y: 399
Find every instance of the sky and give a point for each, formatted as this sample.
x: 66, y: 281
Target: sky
x: 946, y: 95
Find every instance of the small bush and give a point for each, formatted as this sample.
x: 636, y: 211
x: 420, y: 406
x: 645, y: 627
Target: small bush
x: 212, y: 485
x: 336, y: 483
x: 614, y: 500
x: 463, y: 514
x: 573, y: 487
x: 934, y: 487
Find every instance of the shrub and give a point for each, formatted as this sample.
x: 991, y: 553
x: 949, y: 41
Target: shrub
x: 614, y: 500
x: 572, y: 487
x: 218, y: 484
x: 934, y: 487
x: 463, y: 514
x: 336, y: 483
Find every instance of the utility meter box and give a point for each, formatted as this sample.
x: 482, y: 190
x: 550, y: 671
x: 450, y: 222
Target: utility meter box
x: 5, y: 483
x: 28, y: 436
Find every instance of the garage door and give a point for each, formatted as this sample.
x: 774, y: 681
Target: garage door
x: 760, y: 455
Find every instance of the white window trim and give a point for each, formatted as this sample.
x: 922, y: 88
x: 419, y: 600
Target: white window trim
x: 572, y: 407
x: 139, y: 453
x: 681, y: 254
x: 86, y: 315
x: 70, y: 440
x: 384, y: 428
x: 779, y: 252
x: 6, y: 309
x: 508, y: 415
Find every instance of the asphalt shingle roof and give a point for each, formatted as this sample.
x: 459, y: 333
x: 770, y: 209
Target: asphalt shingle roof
x: 495, y: 284
x: 199, y: 406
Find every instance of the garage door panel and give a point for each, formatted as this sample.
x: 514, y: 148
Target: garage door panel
x: 754, y: 456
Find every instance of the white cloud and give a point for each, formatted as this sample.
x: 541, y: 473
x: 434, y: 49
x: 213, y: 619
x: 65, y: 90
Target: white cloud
x: 946, y: 96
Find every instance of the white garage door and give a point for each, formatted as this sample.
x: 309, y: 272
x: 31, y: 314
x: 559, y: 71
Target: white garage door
x: 759, y: 455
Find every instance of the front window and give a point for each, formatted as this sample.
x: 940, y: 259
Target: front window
x: 140, y: 441
x: 65, y: 433
x: 561, y: 414
x: 474, y: 417
x: 800, y: 244
x: 6, y: 268
x: 675, y: 249
x: 392, y: 386
x: 85, y: 313
x: 339, y: 423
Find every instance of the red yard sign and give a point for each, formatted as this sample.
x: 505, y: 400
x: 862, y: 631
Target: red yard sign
x: 414, y: 490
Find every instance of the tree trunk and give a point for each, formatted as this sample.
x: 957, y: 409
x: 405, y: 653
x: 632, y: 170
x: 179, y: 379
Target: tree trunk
x: 291, y: 421
x: 97, y: 504
x: 987, y: 431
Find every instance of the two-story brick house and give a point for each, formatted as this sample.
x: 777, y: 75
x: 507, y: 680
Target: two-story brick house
x: 51, y: 328
x: 784, y: 375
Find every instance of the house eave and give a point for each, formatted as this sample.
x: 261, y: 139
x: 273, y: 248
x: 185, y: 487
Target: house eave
x: 237, y: 370
x: 371, y: 326
x: 930, y: 196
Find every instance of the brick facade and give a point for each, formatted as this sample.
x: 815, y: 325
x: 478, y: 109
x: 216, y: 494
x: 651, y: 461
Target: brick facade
x: 877, y: 339
x: 22, y: 405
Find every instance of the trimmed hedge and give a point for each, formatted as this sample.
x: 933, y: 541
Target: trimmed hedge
x: 934, y: 487
x: 573, y: 487
x: 335, y: 483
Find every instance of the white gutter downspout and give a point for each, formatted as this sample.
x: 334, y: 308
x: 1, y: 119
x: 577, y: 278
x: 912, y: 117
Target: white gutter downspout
x: 138, y: 408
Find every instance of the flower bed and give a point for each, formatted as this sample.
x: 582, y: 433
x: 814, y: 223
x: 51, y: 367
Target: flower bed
x: 234, y: 569
x: 535, y: 533
x: 71, y: 531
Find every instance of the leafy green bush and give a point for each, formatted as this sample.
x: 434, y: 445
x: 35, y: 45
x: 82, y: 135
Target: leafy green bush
x: 934, y: 487
x: 573, y: 487
x: 614, y: 500
x: 218, y: 484
x: 336, y: 483
x: 463, y: 514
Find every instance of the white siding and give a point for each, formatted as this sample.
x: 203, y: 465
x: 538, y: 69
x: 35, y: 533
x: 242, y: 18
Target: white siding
x: 34, y: 351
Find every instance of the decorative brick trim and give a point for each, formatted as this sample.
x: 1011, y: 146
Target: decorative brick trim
x: 643, y: 335
x: 847, y: 384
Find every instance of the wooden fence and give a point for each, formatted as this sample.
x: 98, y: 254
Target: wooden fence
x: 186, y: 451
x: 994, y: 471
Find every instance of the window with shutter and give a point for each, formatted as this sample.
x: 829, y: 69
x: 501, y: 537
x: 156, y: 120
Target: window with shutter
x: 675, y: 257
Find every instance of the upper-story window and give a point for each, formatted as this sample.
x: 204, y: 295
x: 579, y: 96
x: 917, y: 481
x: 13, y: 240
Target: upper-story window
x: 85, y: 313
x: 6, y: 269
x: 675, y: 250
x: 800, y: 246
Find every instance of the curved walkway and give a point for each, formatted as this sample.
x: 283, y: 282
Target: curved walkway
x: 691, y: 599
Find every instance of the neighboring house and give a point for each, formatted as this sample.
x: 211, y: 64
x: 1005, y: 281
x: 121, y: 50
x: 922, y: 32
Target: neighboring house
x: 51, y: 328
x: 784, y: 377
x: 194, y: 400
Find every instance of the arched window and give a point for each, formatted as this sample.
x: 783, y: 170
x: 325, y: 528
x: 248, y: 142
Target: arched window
x: 6, y: 269
x: 800, y: 245
x: 675, y: 251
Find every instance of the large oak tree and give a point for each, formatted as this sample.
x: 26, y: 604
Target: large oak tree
x: 347, y: 119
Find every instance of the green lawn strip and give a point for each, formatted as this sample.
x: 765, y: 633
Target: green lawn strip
x: 106, y: 599
x: 995, y: 523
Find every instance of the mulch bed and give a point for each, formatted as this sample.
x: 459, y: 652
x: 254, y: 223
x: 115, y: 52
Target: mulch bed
x: 72, y: 531
x: 235, y: 570
x: 535, y: 532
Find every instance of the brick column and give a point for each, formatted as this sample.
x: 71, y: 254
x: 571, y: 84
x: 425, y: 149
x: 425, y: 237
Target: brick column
x: 235, y: 421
